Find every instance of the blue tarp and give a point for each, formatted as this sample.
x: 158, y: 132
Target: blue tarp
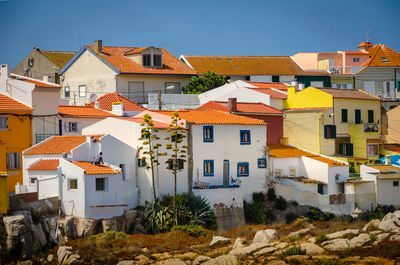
x: 395, y: 160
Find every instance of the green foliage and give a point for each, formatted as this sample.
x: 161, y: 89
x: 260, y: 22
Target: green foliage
x: 253, y: 213
x: 271, y: 195
x: 280, y: 204
x: 315, y: 214
x: 290, y: 217
x: 158, y: 219
x: 258, y: 197
x: 321, y: 238
x: 295, y: 250
x: 270, y: 216
x: 200, y: 84
x: 373, y: 238
x: 191, y: 230
x: 292, y: 239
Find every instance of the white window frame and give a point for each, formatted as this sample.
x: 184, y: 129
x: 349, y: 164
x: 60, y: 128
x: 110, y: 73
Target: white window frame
x: 13, y: 160
x: 72, y: 126
x: 377, y: 150
x: 67, y: 89
x: 82, y: 91
x: 69, y: 184
x: 3, y: 122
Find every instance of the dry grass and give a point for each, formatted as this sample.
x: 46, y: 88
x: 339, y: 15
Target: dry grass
x: 334, y: 226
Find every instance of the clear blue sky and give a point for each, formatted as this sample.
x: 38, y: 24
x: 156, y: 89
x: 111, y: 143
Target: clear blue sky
x: 262, y: 27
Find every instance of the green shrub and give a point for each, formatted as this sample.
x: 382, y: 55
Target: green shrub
x: 271, y: 195
x: 258, y: 197
x: 321, y: 238
x: 270, y: 216
x: 191, y: 230
x: 280, y: 204
x: 158, y: 219
x: 295, y: 250
x: 253, y: 213
x: 373, y: 238
x: 292, y: 239
x: 315, y: 214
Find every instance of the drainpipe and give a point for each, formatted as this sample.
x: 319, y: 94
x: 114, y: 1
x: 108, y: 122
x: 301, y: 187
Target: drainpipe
x: 190, y: 156
x: 319, y: 133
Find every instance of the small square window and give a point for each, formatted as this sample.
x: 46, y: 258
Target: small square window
x: 33, y: 180
x: 245, y: 137
x: 82, y: 91
x: 208, y: 168
x: 141, y: 162
x: 157, y: 60
x: 329, y: 131
x: 13, y: 160
x: 243, y: 169
x: 395, y: 183
x: 356, y: 60
x: 208, y: 134
x: 73, y: 184
x: 100, y: 184
x: 3, y: 122
x: 262, y: 163
x: 146, y: 60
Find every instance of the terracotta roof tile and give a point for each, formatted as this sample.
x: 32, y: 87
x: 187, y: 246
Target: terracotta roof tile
x: 355, y: 52
x: 59, y: 58
x: 304, y: 180
x: 116, y: 56
x: 280, y: 86
x: 260, y: 108
x: 45, y: 164
x: 392, y: 147
x: 348, y: 93
x: 385, y: 168
x: 285, y: 151
x: 157, y: 124
x: 273, y: 93
x: 36, y: 82
x: 91, y: 169
x: 59, y: 144
x: 382, y: 56
x: 105, y: 102
x: 83, y: 112
x: 247, y: 65
x: 7, y: 103
x: 199, y: 116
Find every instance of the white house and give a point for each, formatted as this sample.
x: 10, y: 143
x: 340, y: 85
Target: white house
x: 117, y: 104
x: 40, y: 95
x: 386, y: 179
x: 62, y: 166
x: 131, y: 71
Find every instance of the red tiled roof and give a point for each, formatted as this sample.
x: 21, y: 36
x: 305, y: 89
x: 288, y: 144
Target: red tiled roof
x: 36, y: 82
x: 385, y: 168
x: 59, y: 144
x: 247, y: 65
x: 273, y: 93
x: 392, y: 147
x: 259, y: 108
x: 116, y: 56
x: 83, y: 111
x: 380, y: 51
x: 348, y: 93
x: 285, y: 151
x: 7, y: 103
x: 91, y: 169
x: 105, y: 102
x: 157, y: 124
x: 280, y: 86
x: 45, y: 164
x: 355, y: 52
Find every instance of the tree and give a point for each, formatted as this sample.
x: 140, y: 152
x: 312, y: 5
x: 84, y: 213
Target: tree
x: 200, y: 84
x: 177, y: 157
x: 149, y: 137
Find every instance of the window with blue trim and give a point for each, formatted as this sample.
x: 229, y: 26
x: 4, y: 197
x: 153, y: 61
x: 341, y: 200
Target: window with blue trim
x: 262, y: 163
x: 245, y: 137
x: 243, y: 169
x: 208, y: 170
x: 208, y: 134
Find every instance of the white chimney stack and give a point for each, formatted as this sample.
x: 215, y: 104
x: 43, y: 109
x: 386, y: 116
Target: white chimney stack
x: 118, y: 108
x: 4, y: 71
x: 387, y: 160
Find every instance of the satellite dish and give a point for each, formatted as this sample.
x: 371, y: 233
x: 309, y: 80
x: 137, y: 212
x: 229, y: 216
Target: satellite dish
x: 93, y: 97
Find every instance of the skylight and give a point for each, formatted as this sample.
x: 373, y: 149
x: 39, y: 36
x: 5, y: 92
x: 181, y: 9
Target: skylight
x: 384, y: 60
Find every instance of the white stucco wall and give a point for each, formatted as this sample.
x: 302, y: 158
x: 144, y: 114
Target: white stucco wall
x: 83, y: 123
x: 232, y: 197
x: 387, y: 194
x: 48, y: 183
x: 277, y: 103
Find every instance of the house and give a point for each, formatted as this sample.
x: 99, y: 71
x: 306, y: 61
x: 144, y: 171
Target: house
x: 4, y: 204
x: 41, y: 96
x: 133, y: 72
x: 43, y: 64
x: 335, y: 122
x: 117, y: 104
x: 15, y: 136
x: 386, y: 178
x: 393, y: 126
x: 61, y: 166
x: 271, y: 116
x: 257, y: 69
x: 74, y: 118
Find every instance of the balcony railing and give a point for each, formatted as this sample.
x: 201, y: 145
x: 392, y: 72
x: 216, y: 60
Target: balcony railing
x: 41, y: 137
x: 341, y: 70
x: 371, y: 127
x: 205, y: 185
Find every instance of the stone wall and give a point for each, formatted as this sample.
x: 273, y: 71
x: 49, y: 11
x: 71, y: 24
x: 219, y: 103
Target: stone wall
x: 229, y: 218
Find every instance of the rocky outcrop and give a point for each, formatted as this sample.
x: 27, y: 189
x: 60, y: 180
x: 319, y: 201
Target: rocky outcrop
x: 390, y: 222
x: 311, y: 249
x: 222, y: 260
x: 342, y: 233
x: 337, y: 244
x: 219, y: 241
x: 373, y: 223
x: 265, y: 236
x: 66, y: 256
x: 359, y: 240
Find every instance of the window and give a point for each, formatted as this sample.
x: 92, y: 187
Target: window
x: 372, y: 150
x: 3, y: 122
x: 32, y: 180
x: 13, y: 160
x: 100, y: 184
x: 384, y: 60
x: 157, y: 60
x: 346, y: 149
x: 344, y: 115
x: 278, y: 173
x: 123, y: 171
x: 141, y: 162
x: 67, y: 92
x: 356, y: 60
x: 262, y: 163
x: 341, y: 85
x: 208, y: 134
x: 243, y: 169
x: 245, y: 137
x: 179, y: 164
x: 357, y: 116
x: 320, y: 188
x: 72, y: 126
x: 292, y: 172
x: 395, y: 183
x: 370, y: 116
x: 146, y: 60
x: 82, y: 91
x: 73, y: 184
x: 330, y: 131
x: 208, y: 168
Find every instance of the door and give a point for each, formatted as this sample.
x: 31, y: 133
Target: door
x: 369, y: 87
x: 226, y: 173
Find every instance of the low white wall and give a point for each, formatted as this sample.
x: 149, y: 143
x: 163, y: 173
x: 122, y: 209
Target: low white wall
x: 231, y: 197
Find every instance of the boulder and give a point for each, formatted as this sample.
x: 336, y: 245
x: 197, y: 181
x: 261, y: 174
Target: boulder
x: 311, y: 249
x: 342, y: 233
x: 26, y: 262
x: 222, y: 260
x: 142, y: 259
x: 265, y: 251
x: 359, y: 240
x: 50, y: 258
x: 171, y: 262
x: 38, y: 235
x: 372, y: 223
x: 63, y: 253
x: 265, y: 236
x: 281, y: 245
x: 397, y: 213
x: 395, y: 237
x: 116, y: 223
x: 86, y: 227
x: 312, y: 239
x: 200, y: 260
x: 126, y: 262
x: 375, y: 232
x: 70, y: 228
x: 389, y: 223
x: 338, y: 244
x: 219, y: 241
x: 139, y: 229
x: 243, y: 252
x: 380, y: 237
x: 239, y: 242
x: 72, y: 260
x: 301, y: 232
x: 19, y: 237
x: 130, y: 217
x: 49, y: 226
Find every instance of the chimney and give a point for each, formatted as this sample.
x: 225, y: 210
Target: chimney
x: 4, y: 71
x: 387, y: 160
x: 118, y: 108
x: 364, y: 46
x: 98, y: 46
x: 232, y: 105
x: 47, y: 78
x: 291, y: 90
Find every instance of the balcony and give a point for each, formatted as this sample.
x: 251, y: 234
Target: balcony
x: 365, y: 130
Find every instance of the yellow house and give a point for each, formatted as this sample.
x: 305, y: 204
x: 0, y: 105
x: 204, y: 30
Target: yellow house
x: 15, y: 136
x: 336, y: 122
x: 3, y: 193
